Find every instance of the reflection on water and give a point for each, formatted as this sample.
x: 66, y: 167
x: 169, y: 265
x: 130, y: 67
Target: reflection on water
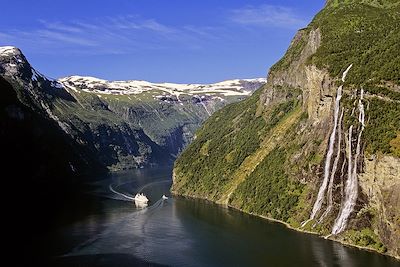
x: 340, y: 253
x: 319, y: 254
x: 185, y: 232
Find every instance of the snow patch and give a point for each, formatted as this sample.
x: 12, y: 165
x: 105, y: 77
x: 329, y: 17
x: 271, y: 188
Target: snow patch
x: 237, y: 87
x: 8, y: 51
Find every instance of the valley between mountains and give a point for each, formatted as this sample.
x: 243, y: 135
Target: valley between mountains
x: 315, y: 145
x: 125, y: 124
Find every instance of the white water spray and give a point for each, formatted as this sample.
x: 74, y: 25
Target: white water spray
x: 333, y: 172
x: 321, y: 193
x: 322, y: 189
x: 119, y: 193
x: 351, y: 190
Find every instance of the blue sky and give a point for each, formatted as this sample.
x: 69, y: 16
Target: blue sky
x: 184, y: 41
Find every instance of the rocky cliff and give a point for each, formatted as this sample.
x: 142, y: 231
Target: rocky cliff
x: 123, y: 124
x: 317, y: 146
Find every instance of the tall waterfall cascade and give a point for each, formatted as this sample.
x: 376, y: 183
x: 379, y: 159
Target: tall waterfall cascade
x: 331, y: 166
x: 322, y: 190
x: 333, y: 172
x: 351, y: 189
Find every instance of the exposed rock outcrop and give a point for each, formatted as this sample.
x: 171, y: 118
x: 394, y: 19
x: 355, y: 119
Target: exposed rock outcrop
x: 380, y: 182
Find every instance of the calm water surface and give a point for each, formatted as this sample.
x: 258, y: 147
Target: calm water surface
x: 185, y: 232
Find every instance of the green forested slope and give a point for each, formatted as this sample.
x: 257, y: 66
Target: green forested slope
x: 266, y: 155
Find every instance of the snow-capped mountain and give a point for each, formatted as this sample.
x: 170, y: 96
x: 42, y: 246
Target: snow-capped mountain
x: 125, y: 123
x: 235, y: 87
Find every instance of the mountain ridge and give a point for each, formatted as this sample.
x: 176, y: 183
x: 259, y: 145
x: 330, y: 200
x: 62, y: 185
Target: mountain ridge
x: 127, y: 124
x: 125, y: 87
x: 377, y: 3
x: 236, y: 85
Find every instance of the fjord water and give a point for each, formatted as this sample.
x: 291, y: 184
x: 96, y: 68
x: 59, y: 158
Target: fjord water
x: 184, y: 232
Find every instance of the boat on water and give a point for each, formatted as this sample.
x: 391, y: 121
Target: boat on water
x: 164, y: 197
x: 140, y: 197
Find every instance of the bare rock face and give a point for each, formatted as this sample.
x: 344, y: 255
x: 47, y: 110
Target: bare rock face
x: 317, y: 86
x: 295, y: 75
x: 380, y: 182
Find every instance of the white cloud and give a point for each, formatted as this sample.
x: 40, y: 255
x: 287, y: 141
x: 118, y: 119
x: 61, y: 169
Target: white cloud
x: 61, y: 27
x: 132, y: 33
x: 5, y: 37
x: 267, y: 16
x: 65, y: 37
x: 111, y: 35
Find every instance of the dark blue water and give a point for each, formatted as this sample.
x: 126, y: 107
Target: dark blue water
x: 186, y: 232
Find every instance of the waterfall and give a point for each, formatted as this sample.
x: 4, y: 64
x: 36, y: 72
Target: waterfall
x: 327, y: 176
x: 342, y: 180
x: 351, y: 190
x: 204, y: 106
x: 341, y: 220
x: 345, y: 72
x: 333, y: 172
x: 322, y: 189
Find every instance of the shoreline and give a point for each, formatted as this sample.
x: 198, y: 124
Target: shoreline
x: 287, y: 225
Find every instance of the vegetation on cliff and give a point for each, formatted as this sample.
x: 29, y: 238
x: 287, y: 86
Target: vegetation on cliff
x: 222, y: 146
x: 264, y: 155
x: 363, y: 35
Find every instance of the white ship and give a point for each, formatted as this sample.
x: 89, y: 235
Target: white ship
x: 140, y: 197
x: 164, y: 197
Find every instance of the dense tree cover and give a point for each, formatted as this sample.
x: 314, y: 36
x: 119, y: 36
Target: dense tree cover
x: 382, y: 91
x: 366, y: 238
x: 226, y: 139
x: 363, y: 35
x: 395, y: 145
x: 383, y: 126
x: 274, y: 195
x: 223, y: 143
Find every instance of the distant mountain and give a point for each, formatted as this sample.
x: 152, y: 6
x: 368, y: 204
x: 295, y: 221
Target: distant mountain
x: 124, y: 124
x: 163, y: 91
x: 317, y: 147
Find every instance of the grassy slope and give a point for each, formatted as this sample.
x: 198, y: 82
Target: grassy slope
x: 362, y: 35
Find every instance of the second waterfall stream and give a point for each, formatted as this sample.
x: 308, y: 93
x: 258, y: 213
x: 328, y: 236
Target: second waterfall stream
x: 351, y: 189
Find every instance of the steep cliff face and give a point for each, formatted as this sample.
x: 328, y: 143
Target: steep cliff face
x: 305, y: 148
x: 380, y: 183
x: 124, y: 124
